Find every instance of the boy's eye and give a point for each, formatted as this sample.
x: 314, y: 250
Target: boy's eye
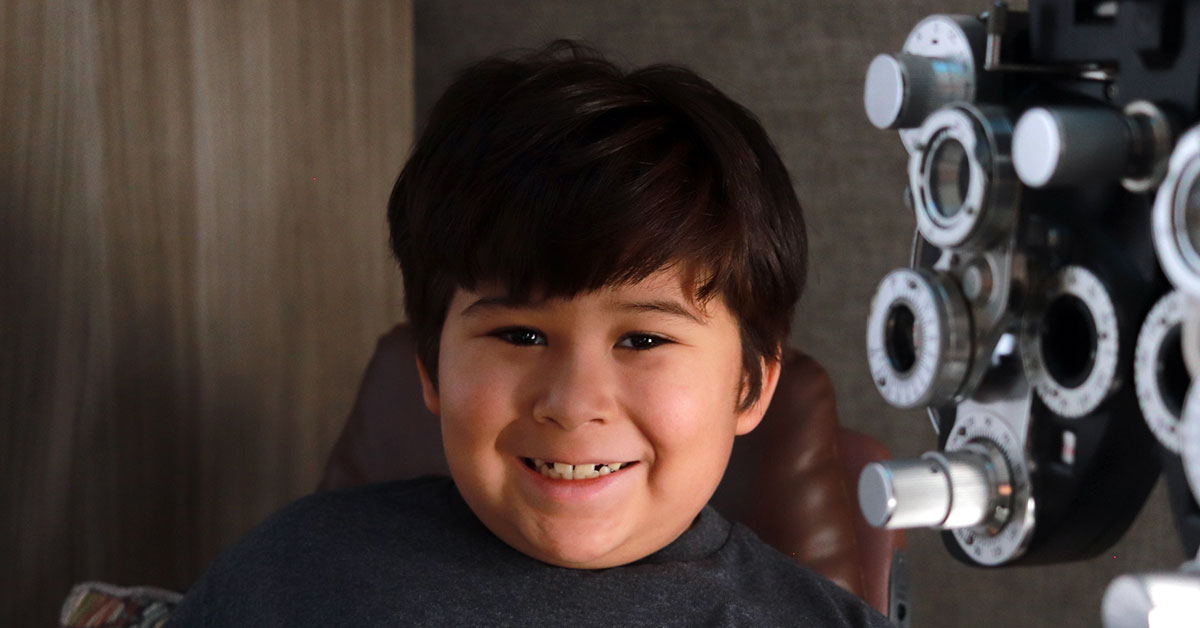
x: 641, y: 342
x: 520, y: 336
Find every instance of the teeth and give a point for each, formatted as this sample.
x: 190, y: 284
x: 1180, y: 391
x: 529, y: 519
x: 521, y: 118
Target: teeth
x: 563, y: 471
x: 586, y: 471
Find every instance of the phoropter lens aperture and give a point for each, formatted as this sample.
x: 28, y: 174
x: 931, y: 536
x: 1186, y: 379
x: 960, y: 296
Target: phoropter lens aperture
x: 1068, y: 341
x: 950, y: 178
x: 1173, y: 378
x: 901, y: 338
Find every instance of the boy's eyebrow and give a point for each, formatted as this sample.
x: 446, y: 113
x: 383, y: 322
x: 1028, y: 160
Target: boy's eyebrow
x: 488, y: 303
x: 663, y: 306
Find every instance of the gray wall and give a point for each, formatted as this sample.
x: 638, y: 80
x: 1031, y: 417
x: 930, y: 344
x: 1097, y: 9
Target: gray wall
x: 799, y: 66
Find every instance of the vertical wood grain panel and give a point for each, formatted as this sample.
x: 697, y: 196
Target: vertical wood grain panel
x: 194, y: 265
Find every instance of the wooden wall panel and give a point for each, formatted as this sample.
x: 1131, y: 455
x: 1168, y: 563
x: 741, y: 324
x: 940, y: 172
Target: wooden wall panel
x: 193, y: 271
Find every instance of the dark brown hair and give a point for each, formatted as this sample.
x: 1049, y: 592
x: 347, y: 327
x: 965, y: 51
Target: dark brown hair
x: 556, y: 171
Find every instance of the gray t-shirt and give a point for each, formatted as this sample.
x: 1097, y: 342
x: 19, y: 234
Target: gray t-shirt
x: 412, y: 553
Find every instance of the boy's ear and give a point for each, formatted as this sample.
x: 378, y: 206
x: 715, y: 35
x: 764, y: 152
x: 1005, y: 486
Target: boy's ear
x: 428, y: 390
x: 750, y: 419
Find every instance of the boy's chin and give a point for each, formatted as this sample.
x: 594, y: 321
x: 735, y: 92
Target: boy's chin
x: 582, y: 551
x: 586, y: 558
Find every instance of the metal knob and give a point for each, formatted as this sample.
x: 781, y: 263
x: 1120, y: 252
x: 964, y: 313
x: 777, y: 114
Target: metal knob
x: 1156, y: 600
x: 957, y: 489
x: 901, y: 90
x: 1070, y: 145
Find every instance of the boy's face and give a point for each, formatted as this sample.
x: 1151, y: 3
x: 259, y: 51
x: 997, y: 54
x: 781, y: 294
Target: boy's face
x: 635, y: 375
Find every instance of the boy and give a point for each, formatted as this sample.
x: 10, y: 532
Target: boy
x: 600, y: 269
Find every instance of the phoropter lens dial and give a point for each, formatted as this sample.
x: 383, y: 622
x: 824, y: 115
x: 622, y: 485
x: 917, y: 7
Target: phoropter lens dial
x: 1159, y: 371
x: 1009, y: 528
x: 1191, y: 339
x: 963, y: 184
x: 1190, y: 440
x: 1176, y: 216
x: 1070, y: 343
x: 918, y: 338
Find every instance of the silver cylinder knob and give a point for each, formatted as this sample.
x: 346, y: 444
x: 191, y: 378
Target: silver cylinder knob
x: 1070, y: 145
x: 1168, y: 600
x: 940, y: 490
x: 901, y: 90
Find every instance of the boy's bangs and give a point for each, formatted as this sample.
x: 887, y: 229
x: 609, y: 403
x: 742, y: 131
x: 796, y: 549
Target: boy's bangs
x: 558, y: 174
x: 557, y: 229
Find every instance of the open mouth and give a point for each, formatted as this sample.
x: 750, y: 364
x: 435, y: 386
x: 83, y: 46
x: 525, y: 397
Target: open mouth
x: 564, y: 471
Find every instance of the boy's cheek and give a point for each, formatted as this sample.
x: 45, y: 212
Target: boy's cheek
x: 478, y: 400
x: 683, y: 392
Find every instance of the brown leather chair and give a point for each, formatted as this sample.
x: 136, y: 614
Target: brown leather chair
x: 792, y: 480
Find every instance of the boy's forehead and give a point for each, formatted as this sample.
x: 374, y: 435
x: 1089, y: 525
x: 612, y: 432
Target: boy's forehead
x: 665, y: 292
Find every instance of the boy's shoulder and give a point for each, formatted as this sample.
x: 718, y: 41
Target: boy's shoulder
x: 359, y: 521
x: 358, y: 510
x: 315, y: 557
x: 772, y: 582
x: 417, y: 498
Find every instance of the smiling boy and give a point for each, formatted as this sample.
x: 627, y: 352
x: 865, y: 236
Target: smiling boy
x: 600, y: 269
x: 630, y: 391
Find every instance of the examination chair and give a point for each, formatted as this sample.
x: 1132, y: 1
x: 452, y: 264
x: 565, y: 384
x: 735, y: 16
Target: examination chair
x: 792, y: 480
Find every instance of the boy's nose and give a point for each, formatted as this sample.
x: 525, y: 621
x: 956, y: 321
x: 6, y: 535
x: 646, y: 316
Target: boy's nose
x: 575, y: 390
